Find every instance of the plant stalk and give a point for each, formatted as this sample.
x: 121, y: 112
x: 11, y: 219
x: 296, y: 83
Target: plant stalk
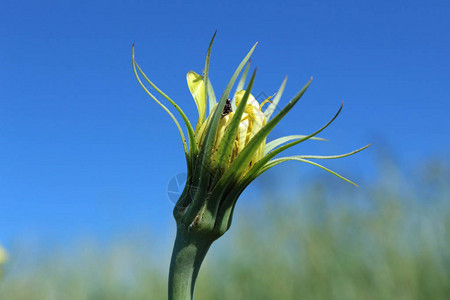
x: 188, y: 253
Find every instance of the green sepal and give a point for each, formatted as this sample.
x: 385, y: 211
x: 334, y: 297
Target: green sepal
x: 225, y: 214
x: 277, y: 161
x: 241, y: 83
x: 192, y: 143
x: 333, y: 156
x: 275, y: 143
x: 183, y: 139
x: 303, y: 158
x: 271, y: 108
x: 208, y: 86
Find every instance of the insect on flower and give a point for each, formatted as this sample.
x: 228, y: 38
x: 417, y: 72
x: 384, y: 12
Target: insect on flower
x: 227, y: 108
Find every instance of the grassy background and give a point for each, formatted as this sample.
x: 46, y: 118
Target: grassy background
x: 387, y: 240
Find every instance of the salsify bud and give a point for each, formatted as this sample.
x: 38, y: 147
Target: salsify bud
x: 227, y: 149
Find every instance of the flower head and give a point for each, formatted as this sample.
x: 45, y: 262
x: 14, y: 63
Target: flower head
x: 227, y: 149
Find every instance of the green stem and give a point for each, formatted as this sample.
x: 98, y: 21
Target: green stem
x: 187, y: 256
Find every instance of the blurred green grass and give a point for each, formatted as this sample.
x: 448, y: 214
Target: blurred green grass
x: 387, y: 240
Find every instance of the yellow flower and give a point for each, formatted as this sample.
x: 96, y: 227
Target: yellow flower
x: 227, y: 149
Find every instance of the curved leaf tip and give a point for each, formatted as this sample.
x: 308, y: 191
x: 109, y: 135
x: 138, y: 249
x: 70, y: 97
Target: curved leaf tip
x: 197, y: 88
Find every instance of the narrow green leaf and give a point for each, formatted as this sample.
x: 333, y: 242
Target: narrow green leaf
x: 212, y: 100
x: 271, y: 108
x: 241, y: 83
x: 191, y: 135
x: 277, y: 161
x: 333, y: 156
x: 275, y: 143
x: 183, y: 139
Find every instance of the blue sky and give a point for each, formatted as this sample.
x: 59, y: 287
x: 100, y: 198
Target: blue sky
x: 85, y: 152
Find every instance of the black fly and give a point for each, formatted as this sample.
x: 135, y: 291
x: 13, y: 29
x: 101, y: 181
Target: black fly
x: 227, y: 108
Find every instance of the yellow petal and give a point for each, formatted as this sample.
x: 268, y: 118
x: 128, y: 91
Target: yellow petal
x: 258, y: 121
x: 242, y: 133
x: 251, y: 100
x: 223, y: 124
x: 197, y: 88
